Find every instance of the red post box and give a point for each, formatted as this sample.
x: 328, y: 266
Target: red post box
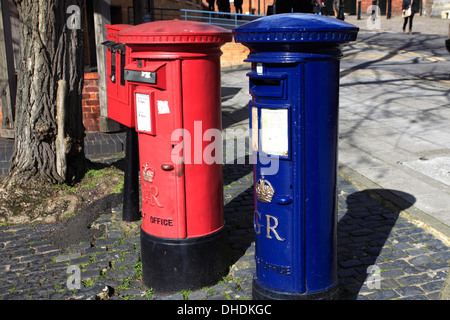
x: 174, y: 74
x: 118, y: 91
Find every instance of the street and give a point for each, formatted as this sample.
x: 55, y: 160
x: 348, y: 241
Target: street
x: 421, y: 55
x: 383, y: 46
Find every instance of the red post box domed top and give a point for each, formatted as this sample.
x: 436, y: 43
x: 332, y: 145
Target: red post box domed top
x: 174, y: 32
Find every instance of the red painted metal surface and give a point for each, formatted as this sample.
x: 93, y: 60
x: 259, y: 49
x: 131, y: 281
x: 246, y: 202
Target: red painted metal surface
x: 119, y: 107
x: 174, y: 75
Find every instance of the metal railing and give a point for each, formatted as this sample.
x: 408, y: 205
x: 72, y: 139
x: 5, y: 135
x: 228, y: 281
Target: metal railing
x: 223, y: 19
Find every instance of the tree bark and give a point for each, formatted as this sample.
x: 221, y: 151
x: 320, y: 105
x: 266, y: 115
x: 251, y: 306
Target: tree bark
x: 51, y: 49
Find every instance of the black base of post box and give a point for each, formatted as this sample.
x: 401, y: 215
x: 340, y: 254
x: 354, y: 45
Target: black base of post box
x: 260, y: 293
x: 171, y: 265
x: 447, y: 44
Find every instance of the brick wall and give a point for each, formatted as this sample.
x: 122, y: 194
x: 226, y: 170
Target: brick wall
x: 396, y: 6
x: 178, y: 4
x: 90, y: 102
x: 233, y: 54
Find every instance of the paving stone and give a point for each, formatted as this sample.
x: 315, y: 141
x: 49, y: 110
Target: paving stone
x: 90, y: 274
x: 411, y: 280
x: 80, y: 247
x: 441, y: 255
x: 124, y: 264
x: 432, y: 286
x: 383, y: 295
x: 198, y: 295
x: 131, y: 293
x: 81, y: 260
x: 352, y: 263
x: 420, y: 260
x: 175, y: 296
x: 388, y: 283
x: 68, y: 257
x: 110, y: 256
x: 105, y: 242
x: 123, y: 247
x: 120, y: 274
x: 409, y: 291
x: 244, y: 273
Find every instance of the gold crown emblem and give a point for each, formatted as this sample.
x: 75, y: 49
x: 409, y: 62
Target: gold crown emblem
x: 148, y: 173
x: 264, y: 190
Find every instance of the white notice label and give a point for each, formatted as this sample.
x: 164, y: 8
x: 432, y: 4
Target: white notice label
x: 255, y: 129
x: 259, y: 68
x: 274, y: 131
x: 143, y: 113
x: 163, y: 107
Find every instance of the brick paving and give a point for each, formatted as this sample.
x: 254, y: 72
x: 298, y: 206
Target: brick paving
x: 376, y: 242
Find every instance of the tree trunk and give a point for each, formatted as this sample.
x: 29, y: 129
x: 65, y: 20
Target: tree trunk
x: 51, y: 49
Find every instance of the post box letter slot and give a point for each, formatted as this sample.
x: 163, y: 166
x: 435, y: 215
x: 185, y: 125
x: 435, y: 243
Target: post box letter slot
x: 140, y: 76
x: 120, y: 48
x: 111, y: 45
x: 273, y: 88
x: 113, y: 66
x: 122, y: 66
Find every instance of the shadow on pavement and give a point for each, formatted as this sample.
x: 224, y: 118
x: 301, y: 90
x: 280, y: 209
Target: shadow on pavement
x: 239, y: 223
x: 362, y: 234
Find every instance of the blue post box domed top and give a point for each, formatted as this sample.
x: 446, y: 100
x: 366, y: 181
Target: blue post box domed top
x: 296, y: 28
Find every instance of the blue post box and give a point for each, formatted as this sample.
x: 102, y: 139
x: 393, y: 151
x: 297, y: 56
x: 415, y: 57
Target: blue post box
x: 294, y: 85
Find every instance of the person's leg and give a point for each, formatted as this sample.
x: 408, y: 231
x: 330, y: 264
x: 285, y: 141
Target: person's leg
x: 410, y: 23
x: 405, y: 21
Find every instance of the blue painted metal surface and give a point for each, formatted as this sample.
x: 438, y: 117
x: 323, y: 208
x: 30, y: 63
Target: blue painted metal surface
x: 294, y: 85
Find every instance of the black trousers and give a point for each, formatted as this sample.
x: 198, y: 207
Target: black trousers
x: 405, y: 21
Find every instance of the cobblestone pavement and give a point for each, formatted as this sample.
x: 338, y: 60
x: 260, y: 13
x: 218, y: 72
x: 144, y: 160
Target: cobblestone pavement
x: 381, y: 255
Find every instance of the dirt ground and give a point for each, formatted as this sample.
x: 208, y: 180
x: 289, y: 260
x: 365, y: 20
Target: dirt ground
x: 72, y: 208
